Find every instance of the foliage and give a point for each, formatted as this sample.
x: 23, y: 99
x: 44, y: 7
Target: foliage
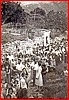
x: 57, y: 20
x: 13, y: 12
x: 38, y: 11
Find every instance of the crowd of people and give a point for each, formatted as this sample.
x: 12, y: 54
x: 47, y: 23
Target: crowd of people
x: 19, y: 69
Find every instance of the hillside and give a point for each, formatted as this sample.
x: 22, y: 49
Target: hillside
x: 56, y: 6
x: 51, y: 15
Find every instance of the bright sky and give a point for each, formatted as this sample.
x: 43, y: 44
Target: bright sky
x: 31, y: 2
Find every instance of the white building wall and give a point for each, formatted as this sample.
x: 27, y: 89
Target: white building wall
x: 46, y: 38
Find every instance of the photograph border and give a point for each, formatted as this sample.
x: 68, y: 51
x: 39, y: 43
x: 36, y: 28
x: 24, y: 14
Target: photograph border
x: 1, y: 50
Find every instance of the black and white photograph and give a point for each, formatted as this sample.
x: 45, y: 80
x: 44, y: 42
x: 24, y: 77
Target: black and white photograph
x: 34, y: 49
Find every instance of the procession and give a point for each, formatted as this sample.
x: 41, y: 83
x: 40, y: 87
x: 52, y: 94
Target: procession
x: 34, y: 49
x: 21, y: 67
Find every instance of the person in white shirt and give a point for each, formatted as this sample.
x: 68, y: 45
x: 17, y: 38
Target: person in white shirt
x: 10, y: 57
x: 19, y: 66
x: 23, y: 83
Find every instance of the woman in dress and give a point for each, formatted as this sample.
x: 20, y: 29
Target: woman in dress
x: 39, y: 80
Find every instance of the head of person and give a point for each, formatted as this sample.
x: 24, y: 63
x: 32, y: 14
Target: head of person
x: 24, y: 93
x: 7, y: 59
x: 18, y: 50
x: 3, y: 68
x: 10, y: 90
x: 8, y: 96
x: 43, y: 65
x: 22, y: 75
x: 12, y: 80
x: 16, y: 82
x: 35, y: 61
x: 19, y: 61
x: 9, y: 54
x: 39, y: 63
x: 3, y: 83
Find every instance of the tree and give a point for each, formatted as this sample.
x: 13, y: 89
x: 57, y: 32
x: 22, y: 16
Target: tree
x: 13, y: 12
x: 57, y: 20
x: 38, y: 11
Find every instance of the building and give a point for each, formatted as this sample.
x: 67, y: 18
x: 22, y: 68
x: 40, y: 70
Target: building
x: 46, y: 37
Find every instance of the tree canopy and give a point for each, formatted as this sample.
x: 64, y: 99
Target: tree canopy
x: 13, y: 12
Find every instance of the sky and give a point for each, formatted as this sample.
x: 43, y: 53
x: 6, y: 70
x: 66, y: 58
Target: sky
x: 31, y: 2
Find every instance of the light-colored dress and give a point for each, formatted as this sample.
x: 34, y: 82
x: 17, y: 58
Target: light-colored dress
x: 39, y: 80
x: 22, y: 83
x: 19, y: 67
